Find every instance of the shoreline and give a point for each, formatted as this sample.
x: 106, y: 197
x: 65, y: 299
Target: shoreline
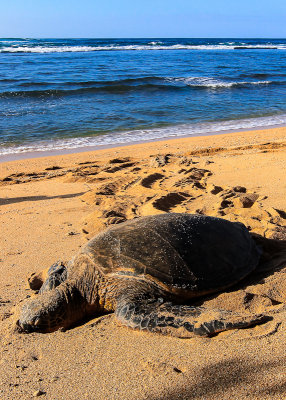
x: 86, y: 149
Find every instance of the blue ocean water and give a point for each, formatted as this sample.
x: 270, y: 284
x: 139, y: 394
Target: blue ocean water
x: 70, y: 93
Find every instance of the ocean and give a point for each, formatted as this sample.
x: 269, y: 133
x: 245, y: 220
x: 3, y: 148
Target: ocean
x: 60, y: 94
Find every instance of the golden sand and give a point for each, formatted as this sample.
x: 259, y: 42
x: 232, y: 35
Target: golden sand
x: 50, y: 206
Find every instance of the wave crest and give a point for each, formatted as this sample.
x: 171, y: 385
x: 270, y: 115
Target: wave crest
x: 207, y: 82
x: 149, y: 46
x: 37, y: 89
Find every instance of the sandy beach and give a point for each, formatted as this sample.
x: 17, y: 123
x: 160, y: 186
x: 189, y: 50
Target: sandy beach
x: 51, y: 206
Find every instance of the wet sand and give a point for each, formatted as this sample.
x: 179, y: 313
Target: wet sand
x: 51, y: 206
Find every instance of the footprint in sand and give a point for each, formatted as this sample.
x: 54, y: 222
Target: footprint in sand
x: 171, y: 200
x: 149, y: 180
x: 144, y: 190
x: 119, y: 167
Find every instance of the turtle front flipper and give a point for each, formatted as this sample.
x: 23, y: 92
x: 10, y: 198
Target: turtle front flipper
x: 181, y: 320
x: 57, y: 274
x: 36, y: 279
x: 49, y: 278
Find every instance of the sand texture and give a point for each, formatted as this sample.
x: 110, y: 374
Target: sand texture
x: 51, y: 206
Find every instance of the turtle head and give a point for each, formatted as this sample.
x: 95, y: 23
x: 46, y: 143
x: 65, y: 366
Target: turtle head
x: 51, y: 311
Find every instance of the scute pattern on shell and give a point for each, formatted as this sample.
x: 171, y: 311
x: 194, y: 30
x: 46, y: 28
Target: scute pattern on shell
x: 193, y: 253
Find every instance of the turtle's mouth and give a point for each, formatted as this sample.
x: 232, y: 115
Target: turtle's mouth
x: 37, y: 324
x: 51, y: 311
x: 24, y: 327
x: 37, y: 316
x: 28, y: 323
x: 31, y: 317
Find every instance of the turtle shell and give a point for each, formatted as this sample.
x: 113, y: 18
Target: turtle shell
x: 194, y: 253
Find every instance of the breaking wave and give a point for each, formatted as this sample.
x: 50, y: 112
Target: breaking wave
x: 39, y: 89
x: 150, y: 46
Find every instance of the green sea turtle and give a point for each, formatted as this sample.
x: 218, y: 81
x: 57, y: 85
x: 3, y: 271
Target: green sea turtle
x: 147, y: 270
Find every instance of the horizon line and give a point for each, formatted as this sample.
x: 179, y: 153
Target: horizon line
x: 137, y: 37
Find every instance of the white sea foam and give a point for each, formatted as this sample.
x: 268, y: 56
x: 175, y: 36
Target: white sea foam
x: 155, y: 43
x: 150, y: 46
x: 43, y: 49
x: 212, y: 82
x: 142, y: 135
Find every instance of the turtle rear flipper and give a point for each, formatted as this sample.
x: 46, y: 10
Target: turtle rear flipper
x: 213, y: 322
x: 180, y: 320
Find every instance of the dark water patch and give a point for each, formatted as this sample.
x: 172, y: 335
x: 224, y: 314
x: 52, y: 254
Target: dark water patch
x: 262, y: 75
x: 256, y: 75
x: 8, y: 80
x: 116, y: 89
x: 31, y: 84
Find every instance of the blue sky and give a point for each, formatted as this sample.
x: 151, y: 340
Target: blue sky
x: 143, y: 18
